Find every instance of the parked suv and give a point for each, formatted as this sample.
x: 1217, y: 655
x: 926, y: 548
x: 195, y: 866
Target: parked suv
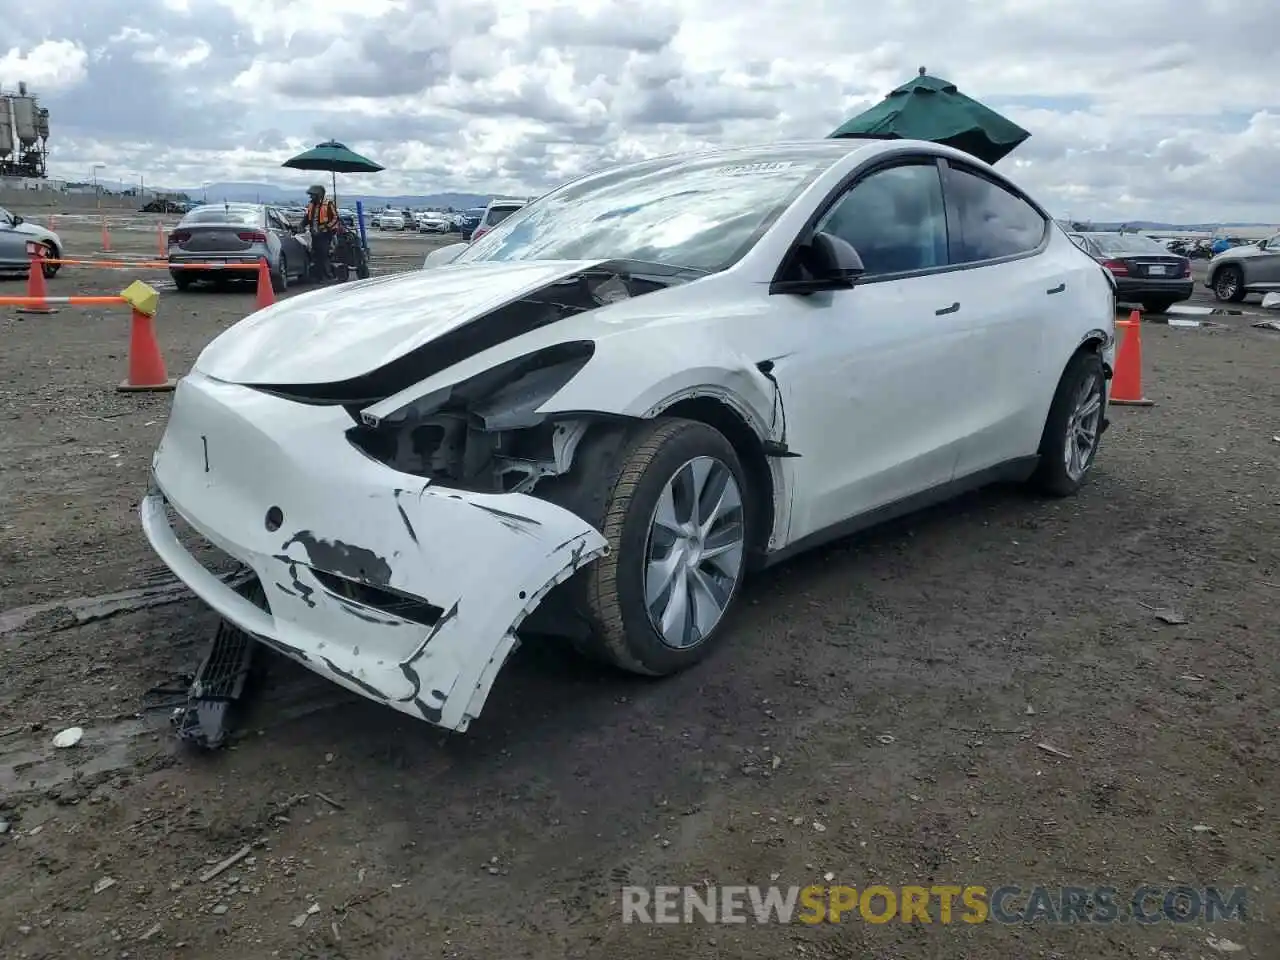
x: 1249, y: 268
x: 494, y: 214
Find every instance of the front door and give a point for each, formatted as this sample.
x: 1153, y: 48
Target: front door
x: 875, y: 404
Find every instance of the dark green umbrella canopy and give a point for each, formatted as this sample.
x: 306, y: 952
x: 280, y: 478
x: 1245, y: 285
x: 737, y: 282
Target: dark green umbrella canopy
x: 335, y: 158
x: 926, y: 108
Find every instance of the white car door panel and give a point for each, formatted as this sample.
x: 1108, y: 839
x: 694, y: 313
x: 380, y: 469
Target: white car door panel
x: 872, y: 403
x: 876, y: 400
x: 1019, y: 281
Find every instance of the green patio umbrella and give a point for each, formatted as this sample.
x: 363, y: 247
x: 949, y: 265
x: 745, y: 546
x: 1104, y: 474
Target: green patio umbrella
x: 334, y: 158
x: 926, y: 108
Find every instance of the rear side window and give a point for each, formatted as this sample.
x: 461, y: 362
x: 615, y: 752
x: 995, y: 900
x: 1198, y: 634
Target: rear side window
x: 990, y: 222
x: 895, y: 219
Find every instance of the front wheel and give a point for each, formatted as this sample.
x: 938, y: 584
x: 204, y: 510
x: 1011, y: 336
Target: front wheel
x: 1074, y: 427
x: 1228, y: 285
x: 675, y: 506
x: 50, y: 252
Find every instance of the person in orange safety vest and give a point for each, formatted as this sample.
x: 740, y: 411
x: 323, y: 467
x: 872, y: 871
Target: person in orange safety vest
x: 321, y: 221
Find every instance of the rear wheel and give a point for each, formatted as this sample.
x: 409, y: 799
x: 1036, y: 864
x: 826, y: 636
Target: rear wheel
x: 280, y: 278
x: 1073, y: 428
x: 673, y: 501
x: 1228, y: 285
x: 182, y: 279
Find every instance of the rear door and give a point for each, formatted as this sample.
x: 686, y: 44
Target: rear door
x: 1016, y: 271
x: 295, y: 254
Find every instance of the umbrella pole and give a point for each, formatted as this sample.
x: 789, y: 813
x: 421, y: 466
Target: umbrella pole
x: 334, y: 174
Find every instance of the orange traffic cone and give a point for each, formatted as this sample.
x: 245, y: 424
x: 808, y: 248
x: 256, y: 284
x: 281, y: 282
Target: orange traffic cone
x: 266, y: 296
x: 1126, y: 384
x: 106, y: 237
x: 35, y: 283
x: 162, y: 246
x: 146, y: 366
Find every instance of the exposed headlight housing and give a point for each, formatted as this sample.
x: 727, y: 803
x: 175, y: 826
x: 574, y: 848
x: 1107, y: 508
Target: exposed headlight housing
x: 482, y: 433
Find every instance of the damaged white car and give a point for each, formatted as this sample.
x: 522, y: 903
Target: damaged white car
x: 601, y: 416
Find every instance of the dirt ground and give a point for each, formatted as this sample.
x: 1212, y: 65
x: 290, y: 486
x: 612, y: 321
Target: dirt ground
x: 877, y: 717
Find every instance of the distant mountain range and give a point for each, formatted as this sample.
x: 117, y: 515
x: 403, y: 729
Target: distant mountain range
x: 270, y: 193
x: 1104, y: 227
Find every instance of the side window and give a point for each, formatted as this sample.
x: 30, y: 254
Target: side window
x: 992, y: 222
x: 895, y: 219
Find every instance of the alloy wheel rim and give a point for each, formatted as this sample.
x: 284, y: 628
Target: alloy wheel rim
x: 1082, y: 428
x: 694, y: 553
x: 1227, y: 284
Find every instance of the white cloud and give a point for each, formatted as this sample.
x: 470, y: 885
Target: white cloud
x: 1142, y: 109
x: 53, y: 65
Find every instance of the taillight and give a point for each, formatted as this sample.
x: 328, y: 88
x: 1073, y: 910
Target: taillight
x: 253, y: 236
x: 1116, y: 267
x: 1186, y: 268
x: 179, y: 236
x: 477, y: 233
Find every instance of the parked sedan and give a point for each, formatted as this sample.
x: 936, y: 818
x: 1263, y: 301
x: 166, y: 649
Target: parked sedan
x: 602, y: 415
x: 220, y: 233
x: 1145, y: 271
x: 1249, y: 268
x: 50, y: 242
x: 15, y: 251
x: 434, y: 223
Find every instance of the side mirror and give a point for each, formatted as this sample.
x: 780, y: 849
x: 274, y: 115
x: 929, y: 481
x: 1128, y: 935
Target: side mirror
x: 443, y: 255
x: 829, y: 262
x: 17, y: 221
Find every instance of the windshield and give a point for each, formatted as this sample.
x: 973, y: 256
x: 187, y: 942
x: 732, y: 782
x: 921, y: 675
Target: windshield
x: 241, y: 216
x: 698, y: 212
x: 1128, y: 243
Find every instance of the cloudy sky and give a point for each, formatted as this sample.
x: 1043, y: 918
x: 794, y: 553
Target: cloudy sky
x: 1155, y: 109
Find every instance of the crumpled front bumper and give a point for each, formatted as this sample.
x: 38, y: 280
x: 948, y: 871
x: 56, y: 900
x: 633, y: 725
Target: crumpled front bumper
x: 402, y: 591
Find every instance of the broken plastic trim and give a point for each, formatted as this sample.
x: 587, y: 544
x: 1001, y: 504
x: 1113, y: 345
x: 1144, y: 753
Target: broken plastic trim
x: 569, y: 296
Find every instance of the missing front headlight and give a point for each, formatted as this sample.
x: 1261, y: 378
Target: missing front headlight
x: 483, y: 433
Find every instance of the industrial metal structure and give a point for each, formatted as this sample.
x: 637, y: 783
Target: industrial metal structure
x: 24, y: 135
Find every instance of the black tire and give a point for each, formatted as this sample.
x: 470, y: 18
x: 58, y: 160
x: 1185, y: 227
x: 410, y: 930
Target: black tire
x: 280, y: 280
x: 1157, y: 306
x: 616, y: 487
x: 1051, y: 476
x: 362, y: 269
x: 50, y: 252
x: 182, y: 279
x: 1228, y: 284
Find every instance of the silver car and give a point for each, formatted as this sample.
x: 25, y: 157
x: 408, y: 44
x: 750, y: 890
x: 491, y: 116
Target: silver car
x: 14, y: 251
x: 236, y: 233
x: 1249, y: 268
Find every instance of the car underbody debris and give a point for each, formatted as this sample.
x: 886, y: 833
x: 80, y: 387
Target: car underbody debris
x: 218, y: 685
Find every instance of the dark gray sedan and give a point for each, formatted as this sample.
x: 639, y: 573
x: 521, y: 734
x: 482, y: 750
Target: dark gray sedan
x: 218, y: 233
x: 1145, y: 271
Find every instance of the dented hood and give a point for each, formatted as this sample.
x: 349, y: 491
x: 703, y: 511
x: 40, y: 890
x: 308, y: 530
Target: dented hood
x: 341, y: 332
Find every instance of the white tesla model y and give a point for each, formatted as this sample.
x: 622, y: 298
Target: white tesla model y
x: 642, y: 386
